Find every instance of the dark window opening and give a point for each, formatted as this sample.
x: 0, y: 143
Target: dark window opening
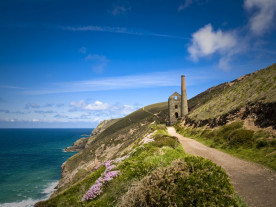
x: 176, y: 115
x: 176, y: 106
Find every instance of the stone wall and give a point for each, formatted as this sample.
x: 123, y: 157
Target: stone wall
x: 174, y: 104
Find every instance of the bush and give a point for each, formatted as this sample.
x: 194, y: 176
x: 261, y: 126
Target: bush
x: 196, y: 182
x: 241, y: 137
x: 163, y: 140
x: 261, y: 143
x: 226, y: 130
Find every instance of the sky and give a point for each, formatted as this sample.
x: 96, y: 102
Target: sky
x: 74, y: 63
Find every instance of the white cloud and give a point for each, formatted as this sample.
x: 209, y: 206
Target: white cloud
x: 99, y: 110
x: 263, y: 15
x: 96, y: 106
x: 207, y: 42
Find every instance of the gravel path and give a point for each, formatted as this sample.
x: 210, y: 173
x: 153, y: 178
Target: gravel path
x: 254, y: 183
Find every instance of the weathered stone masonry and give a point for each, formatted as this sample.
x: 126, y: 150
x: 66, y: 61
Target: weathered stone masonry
x: 178, y: 105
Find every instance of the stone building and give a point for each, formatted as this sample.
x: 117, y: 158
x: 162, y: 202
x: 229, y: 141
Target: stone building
x: 178, y: 104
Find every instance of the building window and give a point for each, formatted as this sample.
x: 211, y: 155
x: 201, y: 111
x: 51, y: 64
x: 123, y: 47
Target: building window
x: 176, y: 106
x: 175, y: 98
x: 176, y: 115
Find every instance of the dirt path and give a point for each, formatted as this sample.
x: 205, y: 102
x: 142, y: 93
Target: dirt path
x: 254, y: 183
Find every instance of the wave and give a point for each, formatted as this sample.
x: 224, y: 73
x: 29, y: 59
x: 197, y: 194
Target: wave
x: 25, y: 203
x: 31, y: 202
x: 51, y: 188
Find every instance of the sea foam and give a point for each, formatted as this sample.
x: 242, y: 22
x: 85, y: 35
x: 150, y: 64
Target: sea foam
x: 30, y: 202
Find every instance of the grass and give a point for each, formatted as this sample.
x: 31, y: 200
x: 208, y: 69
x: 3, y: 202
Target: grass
x: 219, y: 100
x: 232, y: 138
x: 160, y: 156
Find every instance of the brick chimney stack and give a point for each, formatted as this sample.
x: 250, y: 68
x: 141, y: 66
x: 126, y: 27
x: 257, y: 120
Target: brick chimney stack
x: 184, y: 102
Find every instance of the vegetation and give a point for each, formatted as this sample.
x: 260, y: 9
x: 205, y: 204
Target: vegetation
x: 257, y: 146
x: 114, y: 139
x: 156, y: 174
x: 255, y: 87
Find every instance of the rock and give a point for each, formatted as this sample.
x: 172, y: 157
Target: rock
x: 77, y: 146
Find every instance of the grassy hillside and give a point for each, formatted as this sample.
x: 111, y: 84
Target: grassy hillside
x: 259, y: 86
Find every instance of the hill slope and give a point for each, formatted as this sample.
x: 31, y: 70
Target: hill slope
x: 254, y: 94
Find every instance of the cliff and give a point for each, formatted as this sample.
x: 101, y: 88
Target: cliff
x: 81, y: 143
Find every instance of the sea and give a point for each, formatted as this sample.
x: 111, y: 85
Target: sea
x: 30, y: 163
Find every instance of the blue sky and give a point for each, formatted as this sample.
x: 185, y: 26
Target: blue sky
x: 75, y: 63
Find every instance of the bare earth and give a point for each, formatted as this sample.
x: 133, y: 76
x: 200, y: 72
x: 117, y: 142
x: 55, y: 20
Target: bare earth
x: 254, y: 183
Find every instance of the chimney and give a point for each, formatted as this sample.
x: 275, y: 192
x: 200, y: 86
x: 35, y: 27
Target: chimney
x: 184, y: 102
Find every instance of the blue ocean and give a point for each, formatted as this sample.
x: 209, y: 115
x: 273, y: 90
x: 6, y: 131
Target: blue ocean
x: 30, y: 163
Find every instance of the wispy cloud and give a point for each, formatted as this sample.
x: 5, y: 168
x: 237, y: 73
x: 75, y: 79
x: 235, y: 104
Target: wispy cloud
x: 53, y: 105
x: 44, y: 112
x: 83, y: 50
x: 120, y: 8
x: 32, y: 106
x: 262, y: 13
x: 119, y: 30
x: 186, y: 3
x: 100, y: 62
x: 117, y: 10
x: 11, y: 112
x: 151, y: 80
x: 12, y: 87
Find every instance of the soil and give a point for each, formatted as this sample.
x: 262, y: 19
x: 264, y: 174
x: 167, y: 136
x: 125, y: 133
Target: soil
x: 253, y: 182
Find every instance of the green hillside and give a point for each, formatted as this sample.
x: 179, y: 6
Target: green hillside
x: 259, y: 86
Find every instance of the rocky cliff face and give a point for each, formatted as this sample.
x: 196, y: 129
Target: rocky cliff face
x: 80, y: 144
x: 263, y: 115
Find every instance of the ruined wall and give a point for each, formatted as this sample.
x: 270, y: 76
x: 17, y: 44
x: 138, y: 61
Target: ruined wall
x: 174, y: 104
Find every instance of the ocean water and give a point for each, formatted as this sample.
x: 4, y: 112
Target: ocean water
x: 30, y: 163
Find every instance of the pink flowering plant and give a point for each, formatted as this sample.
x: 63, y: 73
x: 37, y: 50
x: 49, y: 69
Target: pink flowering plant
x: 107, y: 176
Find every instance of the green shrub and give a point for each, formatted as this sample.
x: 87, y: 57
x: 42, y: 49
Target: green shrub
x: 241, y: 137
x: 195, y: 182
x: 261, y: 143
x: 163, y: 140
x: 226, y: 130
